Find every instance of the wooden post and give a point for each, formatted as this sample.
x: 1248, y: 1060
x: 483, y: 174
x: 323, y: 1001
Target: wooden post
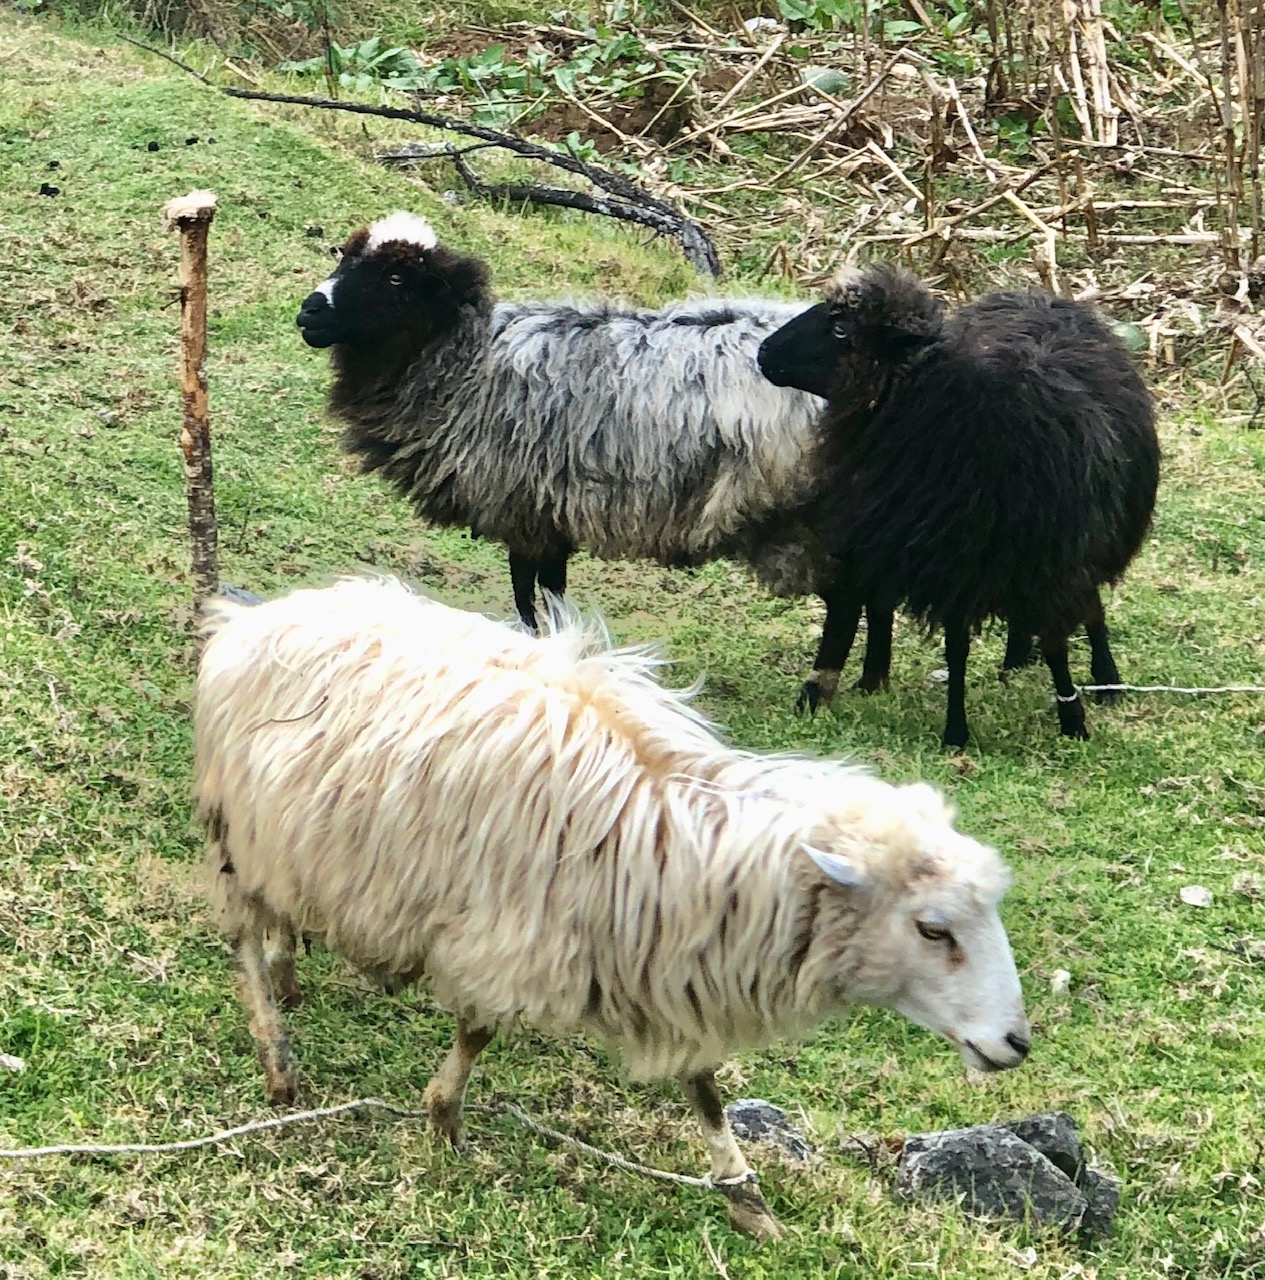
x: 191, y: 215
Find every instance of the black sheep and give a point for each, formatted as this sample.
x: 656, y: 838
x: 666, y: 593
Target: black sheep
x: 1000, y: 461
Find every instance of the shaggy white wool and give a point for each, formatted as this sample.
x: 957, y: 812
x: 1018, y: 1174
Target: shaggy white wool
x: 544, y: 832
x: 401, y: 225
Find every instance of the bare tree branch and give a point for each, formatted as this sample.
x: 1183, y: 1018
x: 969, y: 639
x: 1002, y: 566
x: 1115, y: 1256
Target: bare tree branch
x: 695, y: 244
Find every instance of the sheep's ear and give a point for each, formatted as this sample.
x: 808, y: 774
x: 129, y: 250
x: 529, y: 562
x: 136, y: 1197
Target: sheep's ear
x: 463, y: 278
x: 896, y: 310
x: 843, y: 871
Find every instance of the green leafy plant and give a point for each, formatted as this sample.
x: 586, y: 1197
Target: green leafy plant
x: 361, y: 66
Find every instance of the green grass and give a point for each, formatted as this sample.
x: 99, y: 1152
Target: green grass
x: 119, y: 996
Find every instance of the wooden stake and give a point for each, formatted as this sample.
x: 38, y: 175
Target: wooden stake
x: 191, y: 215
x: 1231, y: 246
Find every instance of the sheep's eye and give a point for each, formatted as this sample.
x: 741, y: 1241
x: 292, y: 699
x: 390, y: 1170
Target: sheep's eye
x: 839, y: 327
x: 934, y: 932
x: 395, y: 278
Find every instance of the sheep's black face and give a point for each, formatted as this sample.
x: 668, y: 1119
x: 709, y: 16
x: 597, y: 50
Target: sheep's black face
x: 803, y: 353
x: 846, y: 348
x: 387, y: 292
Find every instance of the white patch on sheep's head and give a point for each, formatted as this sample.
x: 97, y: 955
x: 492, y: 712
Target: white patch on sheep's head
x: 847, y: 287
x: 402, y: 226
x: 925, y: 898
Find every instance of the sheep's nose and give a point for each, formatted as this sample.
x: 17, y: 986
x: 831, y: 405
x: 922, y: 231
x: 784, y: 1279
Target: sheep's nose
x: 1020, y: 1044
x: 313, y: 305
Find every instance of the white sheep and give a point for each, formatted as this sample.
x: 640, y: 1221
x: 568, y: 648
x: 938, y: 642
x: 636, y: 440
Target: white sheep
x: 541, y: 831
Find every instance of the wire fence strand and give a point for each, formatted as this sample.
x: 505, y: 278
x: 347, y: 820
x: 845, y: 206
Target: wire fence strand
x: 364, y: 1104
x: 1171, y: 688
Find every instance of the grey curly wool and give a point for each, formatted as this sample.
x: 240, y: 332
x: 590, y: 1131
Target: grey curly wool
x: 552, y: 426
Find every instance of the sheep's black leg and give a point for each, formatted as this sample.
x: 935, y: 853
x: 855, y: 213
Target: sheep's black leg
x: 523, y: 579
x: 1102, y: 666
x: 843, y: 615
x: 957, y: 648
x: 1021, y: 651
x: 552, y: 574
x: 1071, y: 709
x: 878, y: 648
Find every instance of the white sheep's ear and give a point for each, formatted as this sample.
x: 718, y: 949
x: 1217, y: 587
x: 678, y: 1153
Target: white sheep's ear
x: 844, y: 872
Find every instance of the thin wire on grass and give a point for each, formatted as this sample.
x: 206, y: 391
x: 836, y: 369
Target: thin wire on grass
x: 706, y: 1183
x: 1170, y: 688
x: 192, y: 1144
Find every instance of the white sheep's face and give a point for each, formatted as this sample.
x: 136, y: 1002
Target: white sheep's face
x: 930, y: 943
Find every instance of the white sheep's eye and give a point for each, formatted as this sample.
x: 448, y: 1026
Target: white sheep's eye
x: 934, y: 932
x: 395, y: 278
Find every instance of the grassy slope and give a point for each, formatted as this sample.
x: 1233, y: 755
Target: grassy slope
x: 115, y: 991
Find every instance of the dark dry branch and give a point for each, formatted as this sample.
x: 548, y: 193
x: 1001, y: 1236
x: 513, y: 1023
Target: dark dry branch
x: 149, y: 48
x: 532, y: 193
x: 695, y: 244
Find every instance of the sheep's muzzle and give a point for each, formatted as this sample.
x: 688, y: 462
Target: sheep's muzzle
x: 316, y: 321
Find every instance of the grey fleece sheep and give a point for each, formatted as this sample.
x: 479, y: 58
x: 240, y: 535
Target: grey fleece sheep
x: 548, y: 426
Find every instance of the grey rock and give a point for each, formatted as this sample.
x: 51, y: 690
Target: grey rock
x: 1055, y: 1136
x: 1103, y: 1195
x: 755, y: 1120
x: 239, y: 595
x: 994, y: 1172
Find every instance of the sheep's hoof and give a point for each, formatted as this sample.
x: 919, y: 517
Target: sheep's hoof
x: 281, y: 1088
x: 955, y: 739
x: 809, y: 698
x: 289, y: 993
x: 444, y: 1114
x: 749, y: 1214
x: 1018, y: 661
x: 1109, y: 697
x: 870, y: 684
x: 1075, y: 731
x: 818, y: 690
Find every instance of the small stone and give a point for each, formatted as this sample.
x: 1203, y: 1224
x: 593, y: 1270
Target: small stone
x: 239, y: 594
x: 994, y: 1172
x: 54, y: 164
x: 47, y: 189
x: 314, y: 229
x: 1102, y: 1192
x: 755, y: 1120
x: 1060, y: 982
x: 1055, y: 1136
x: 11, y: 1062
x: 191, y: 139
x: 151, y: 145
x: 1195, y: 895
x: 109, y: 416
